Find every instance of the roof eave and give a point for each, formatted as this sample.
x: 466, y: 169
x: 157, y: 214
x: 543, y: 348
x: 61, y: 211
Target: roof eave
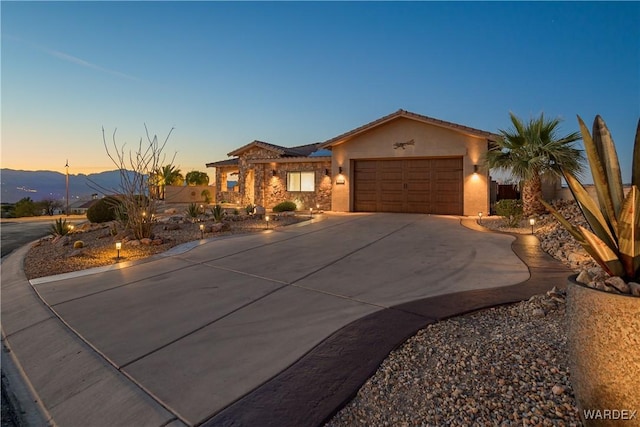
x: 266, y: 146
x: 340, y: 139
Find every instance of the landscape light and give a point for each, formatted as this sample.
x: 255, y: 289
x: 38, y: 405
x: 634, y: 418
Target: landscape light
x: 118, y: 247
x: 480, y: 217
x: 532, y: 222
x: 267, y: 219
x: 310, y: 212
x: 202, y: 231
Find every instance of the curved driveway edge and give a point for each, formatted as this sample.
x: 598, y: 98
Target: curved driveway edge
x: 316, y: 387
x: 69, y: 383
x: 271, y: 329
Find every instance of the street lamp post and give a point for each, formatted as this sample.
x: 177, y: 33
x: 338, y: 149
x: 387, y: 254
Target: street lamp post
x: 67, y: 169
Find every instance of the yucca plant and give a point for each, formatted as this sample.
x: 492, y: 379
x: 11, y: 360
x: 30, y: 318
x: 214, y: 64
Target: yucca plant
x: 614, y: 242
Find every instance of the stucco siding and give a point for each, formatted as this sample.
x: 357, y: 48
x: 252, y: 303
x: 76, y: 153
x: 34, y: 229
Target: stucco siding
x: 428, y: 141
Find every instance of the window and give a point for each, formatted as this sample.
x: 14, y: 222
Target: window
x: 301, y: 181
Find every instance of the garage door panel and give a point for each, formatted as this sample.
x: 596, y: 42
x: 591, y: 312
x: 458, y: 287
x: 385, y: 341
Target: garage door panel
x: 432, y: 185
x: 386, y: 186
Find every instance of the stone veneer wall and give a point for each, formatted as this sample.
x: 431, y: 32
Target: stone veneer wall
x: 229, y: 197
x: 273, y: 189
x: 244, y: 166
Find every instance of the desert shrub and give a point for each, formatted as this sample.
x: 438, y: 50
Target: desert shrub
x: 105, y: 210
x: 60, y: 227
x: 206, y: 196
x: 25, y: 207
x: 284, y: 207
x: 218, y: 213
x: 510, y: 210
x: 236, y: 212
x: 78, y: 244
x: 249, y: 209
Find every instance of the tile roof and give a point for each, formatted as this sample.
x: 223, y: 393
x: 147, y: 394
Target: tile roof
x: 228, y: 162
x: 301, y: 150
x: 409, y: 115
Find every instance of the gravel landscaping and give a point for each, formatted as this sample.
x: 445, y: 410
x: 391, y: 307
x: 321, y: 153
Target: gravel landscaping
x: 505, y: 366
x: 50, y: 256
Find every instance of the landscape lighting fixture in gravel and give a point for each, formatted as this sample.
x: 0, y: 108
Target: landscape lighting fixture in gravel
x: 202, y: 231
x: 479, y: 217
x: 311, y: 213
x: 266, y: 218
x: 532, y: 222
x: 118, y: 247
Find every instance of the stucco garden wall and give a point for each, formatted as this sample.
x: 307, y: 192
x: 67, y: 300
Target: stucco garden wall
x: 429, y: 141
x: 187, y: 193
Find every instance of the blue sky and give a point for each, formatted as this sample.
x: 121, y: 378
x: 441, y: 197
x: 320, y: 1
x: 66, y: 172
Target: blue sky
x: 292, y: 73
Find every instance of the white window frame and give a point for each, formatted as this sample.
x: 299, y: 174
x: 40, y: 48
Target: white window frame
x: 301, y: 181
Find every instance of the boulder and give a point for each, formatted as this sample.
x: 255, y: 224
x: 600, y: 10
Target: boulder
x: 619, y: 284
x: 260, y: 211
x: 75, y: 253
x: 584, y: 277
x: 146, y: 241
x: 61, y: 241
x: 635, y: 288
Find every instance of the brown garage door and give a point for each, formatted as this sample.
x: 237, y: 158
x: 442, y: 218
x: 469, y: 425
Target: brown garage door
x: 409, y: 185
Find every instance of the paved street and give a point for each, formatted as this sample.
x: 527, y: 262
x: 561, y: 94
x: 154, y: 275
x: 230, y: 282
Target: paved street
x: 16, y: 232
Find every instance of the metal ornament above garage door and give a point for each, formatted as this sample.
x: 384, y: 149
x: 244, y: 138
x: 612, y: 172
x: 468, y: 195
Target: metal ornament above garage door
x: 410, y: 185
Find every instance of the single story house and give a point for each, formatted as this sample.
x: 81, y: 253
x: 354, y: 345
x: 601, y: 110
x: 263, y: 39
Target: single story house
x: 402, y: 162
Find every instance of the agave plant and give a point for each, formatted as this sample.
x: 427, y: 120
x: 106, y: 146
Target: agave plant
x: 192, y: 211
x: 60, y: 227
x: 218, y: 213
x: 614, y: 242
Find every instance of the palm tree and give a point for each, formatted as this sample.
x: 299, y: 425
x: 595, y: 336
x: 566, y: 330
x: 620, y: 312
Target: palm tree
x: 533, y: 151
x: 167, y: 175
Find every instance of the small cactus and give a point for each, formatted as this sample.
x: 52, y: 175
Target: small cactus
x: 78, y: 244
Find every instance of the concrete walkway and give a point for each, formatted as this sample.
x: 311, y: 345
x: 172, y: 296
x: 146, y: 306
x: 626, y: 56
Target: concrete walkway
x: 277, y: 328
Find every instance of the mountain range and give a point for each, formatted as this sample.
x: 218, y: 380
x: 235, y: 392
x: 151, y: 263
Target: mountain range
x: 39, y: 185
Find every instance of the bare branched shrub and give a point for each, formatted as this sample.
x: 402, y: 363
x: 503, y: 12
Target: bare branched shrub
x: 137, y: 207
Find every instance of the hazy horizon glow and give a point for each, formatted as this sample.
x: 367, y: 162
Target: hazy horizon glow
x: 225, y: 73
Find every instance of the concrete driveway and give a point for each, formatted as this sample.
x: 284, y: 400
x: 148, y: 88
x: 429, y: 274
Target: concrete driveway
x: 196, y: 331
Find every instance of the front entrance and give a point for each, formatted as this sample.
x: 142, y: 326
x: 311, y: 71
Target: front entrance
x: 432, y: 185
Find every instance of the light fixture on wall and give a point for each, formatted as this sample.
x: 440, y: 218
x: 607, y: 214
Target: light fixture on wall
x: 274, y: 172
x: 326, y: 172
x: 475, y: 169
x: 340, y: 169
